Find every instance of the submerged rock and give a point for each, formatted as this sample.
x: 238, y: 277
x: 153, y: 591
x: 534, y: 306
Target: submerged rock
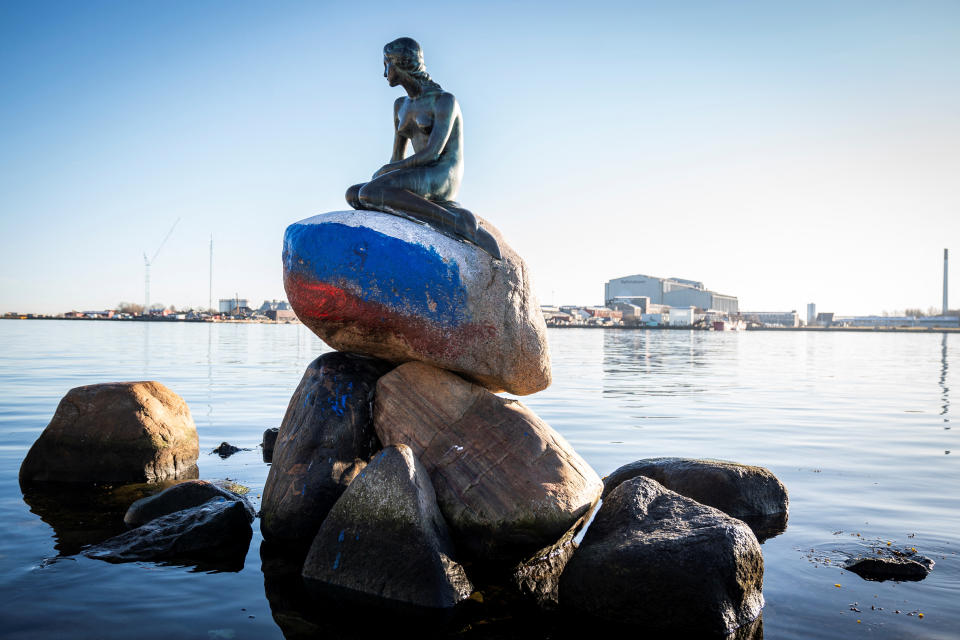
x: 739, y: 490
x: 215, y: 533
x: 891, y: 566
x: 395, y: 289
x: 115, y: 432
x: 225, y: 450
x: 325, y: 440
x: 508, y: 485
x: 185, y: 495
x: 385, y: 540
x: 657, y: 560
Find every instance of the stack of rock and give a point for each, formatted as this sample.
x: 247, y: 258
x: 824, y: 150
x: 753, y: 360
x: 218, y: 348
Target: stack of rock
x: 407, y: 479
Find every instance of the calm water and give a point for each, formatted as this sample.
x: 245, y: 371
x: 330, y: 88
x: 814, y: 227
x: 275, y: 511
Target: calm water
x: 858, y: 427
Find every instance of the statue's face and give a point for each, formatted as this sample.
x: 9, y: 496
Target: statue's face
x: 390, y: 72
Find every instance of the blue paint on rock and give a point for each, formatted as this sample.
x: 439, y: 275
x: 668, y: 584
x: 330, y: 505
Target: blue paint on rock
x: 405, y: 277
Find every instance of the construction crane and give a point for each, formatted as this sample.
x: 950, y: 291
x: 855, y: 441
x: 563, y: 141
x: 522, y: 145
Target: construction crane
x: 149, y: 261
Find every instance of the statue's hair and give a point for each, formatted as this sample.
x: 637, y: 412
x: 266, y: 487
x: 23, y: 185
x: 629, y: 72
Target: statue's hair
x: 408, y: 56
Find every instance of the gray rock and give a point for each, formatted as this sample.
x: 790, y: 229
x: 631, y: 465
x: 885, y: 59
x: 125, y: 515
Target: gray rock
x: 217, y: 532
x: 325, y: 440
x: 507, y: 483
x: 891, y: 566
x: 739, y: 490
x: 379, y: 284
x: 115, y: 432
x: 655, y: 559
x: 385, y: 540
x: 185, y: 495
x: 269, y: 442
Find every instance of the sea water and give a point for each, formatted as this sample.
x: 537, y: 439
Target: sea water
x: 858, y: 426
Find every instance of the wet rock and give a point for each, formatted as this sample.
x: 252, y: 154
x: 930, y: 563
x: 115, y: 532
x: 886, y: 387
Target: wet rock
x: 225, y: 450
x: 383, y: 285
x: 185, y: 495
x: 269, y: 442
x: 385, y: 540
x: 508, y: 485
x: 216, y: 533
x: 325, y: 440
x: 538, y: 577
x: 115, y: 432
x: 739, y: 490
x: 655, y: 559
x: 891, y: 566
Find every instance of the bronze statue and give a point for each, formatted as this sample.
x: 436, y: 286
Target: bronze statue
x: 422, y: 186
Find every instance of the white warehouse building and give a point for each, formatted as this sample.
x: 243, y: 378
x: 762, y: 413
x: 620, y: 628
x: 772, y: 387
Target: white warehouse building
x: 674, y: 292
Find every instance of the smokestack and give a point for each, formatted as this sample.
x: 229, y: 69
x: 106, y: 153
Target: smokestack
x: 945, y: 307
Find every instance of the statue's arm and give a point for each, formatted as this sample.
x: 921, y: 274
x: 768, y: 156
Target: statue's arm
x: 399, y: 141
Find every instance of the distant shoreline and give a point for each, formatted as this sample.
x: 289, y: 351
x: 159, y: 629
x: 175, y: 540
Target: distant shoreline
x: 581, y: 326
x: 814, y: 329
x: 197, y: 320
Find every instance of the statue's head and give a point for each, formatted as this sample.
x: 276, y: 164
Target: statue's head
x: 405, y: 54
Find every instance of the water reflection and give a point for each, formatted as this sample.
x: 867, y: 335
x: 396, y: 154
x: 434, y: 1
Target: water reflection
x: 945, y: 390
x: 661, y: 362
x: 84, y: 515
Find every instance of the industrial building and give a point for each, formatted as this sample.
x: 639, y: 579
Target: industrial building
x: 229, y: 305
x: 673, y: 292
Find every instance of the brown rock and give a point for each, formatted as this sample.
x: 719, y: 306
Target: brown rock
x: 115, y: 432
x: 508, y: 484
x: 325, y: 440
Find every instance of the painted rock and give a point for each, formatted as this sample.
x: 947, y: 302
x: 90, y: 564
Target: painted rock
x: 395, y: 289
x: 385, y: 541
x: 324, y: 441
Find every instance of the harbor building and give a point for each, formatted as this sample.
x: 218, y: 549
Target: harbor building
x: 773, y: 318
x: 673, y: 292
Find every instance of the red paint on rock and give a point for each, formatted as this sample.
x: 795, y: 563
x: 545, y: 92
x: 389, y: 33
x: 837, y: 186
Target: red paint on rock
x: 326, y: 308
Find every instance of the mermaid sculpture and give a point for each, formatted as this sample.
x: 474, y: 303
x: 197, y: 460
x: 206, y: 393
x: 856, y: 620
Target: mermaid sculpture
x: 422, y: 186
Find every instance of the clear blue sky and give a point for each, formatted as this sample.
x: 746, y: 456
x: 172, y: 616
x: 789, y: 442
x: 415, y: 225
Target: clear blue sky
x: 782, y: 152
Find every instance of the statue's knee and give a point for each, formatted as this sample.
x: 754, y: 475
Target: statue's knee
x: 369, y: 194
x: 353, y: 196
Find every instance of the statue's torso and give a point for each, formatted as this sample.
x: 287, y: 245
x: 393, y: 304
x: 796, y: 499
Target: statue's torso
x: 415, y: 120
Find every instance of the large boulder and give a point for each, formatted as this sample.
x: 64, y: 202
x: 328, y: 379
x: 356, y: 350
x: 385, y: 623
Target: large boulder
x: 385, y: 540
x: 115, y: 432
x: 739, y: 490
x: 325, y: 440
x: 396, y: 289
x: 508, y: 484
x: 185, y: 495
x: 216, y: 533
x: 658, y: 560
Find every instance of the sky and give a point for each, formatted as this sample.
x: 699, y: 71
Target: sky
x: 784, y: 153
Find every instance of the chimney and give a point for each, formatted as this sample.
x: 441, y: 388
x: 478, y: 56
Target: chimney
x: 945, y: 307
